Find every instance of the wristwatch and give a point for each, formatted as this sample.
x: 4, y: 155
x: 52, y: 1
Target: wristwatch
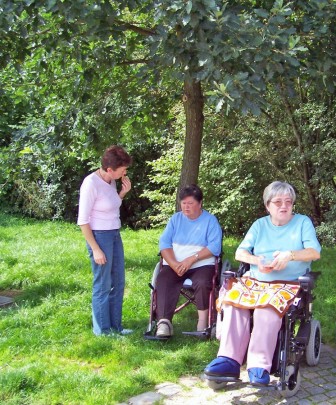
x: 197, y: 256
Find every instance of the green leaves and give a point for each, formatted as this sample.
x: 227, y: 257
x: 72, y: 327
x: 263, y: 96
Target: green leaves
x: 202, y: 39
x: 103, y: 71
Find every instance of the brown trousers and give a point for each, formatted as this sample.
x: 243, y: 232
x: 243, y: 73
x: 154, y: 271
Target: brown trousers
x: 169, y: 284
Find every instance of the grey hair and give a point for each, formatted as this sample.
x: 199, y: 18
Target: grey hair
x: 277, y: 188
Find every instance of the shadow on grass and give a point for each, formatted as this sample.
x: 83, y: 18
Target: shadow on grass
x: 35, y: 294
x: 9, y: 261
x: 14, y: 220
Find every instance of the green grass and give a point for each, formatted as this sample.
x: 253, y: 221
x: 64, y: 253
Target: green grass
x: 48, y: 354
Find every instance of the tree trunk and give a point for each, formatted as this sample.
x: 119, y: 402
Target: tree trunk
x: 193, y: 106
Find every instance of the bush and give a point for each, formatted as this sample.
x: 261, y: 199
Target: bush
x: 326, y: 233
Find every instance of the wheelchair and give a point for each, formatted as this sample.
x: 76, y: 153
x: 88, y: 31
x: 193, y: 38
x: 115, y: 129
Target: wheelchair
x: 187, y: 298
x: 299, y: 337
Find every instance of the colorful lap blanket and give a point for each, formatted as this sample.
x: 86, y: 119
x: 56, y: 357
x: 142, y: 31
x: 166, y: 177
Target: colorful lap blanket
x: 249, y: 293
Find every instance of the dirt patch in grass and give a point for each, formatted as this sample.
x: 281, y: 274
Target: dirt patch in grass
x: 10, y: 293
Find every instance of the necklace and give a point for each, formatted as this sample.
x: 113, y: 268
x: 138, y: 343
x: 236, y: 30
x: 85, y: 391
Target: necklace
x: 101, y: 176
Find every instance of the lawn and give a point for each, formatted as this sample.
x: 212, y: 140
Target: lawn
x: 48, y: 354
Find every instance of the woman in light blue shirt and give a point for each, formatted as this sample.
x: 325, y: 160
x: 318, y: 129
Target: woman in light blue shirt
x: 188, y: 245
x: 279, y: 248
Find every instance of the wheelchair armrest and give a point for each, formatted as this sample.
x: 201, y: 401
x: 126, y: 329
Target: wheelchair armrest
x: 307, y: 282
x: 229, y: 274
x: 243, y: 268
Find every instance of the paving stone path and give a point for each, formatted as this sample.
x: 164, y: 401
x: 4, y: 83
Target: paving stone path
x: 4, y: 301
x: 318, y: 386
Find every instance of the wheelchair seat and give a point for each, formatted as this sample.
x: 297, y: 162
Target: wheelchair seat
x: 187, y: 283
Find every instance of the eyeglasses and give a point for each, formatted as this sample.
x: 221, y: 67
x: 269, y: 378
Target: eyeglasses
x: 279, y: 203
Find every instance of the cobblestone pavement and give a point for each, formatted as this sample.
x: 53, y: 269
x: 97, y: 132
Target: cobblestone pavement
x: 318, y: 386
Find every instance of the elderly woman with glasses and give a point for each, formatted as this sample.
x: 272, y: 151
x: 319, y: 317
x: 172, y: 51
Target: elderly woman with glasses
x: 279, y: 248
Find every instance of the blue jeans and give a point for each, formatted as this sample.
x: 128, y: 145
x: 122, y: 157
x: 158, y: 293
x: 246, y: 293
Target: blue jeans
x: 108, y: 283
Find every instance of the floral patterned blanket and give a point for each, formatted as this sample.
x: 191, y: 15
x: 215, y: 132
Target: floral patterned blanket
x: 249, y: 293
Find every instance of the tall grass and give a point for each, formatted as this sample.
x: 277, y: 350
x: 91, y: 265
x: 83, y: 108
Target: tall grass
x: 48, y: 354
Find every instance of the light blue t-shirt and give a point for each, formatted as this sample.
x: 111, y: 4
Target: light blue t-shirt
x: 188, y: 236
x: 264, y: 238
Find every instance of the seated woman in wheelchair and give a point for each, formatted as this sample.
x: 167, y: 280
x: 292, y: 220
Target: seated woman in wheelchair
x: 279, y: 247
x: 188, y: 246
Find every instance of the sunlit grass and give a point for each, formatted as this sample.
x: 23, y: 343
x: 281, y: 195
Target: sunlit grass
x: 48, y: 354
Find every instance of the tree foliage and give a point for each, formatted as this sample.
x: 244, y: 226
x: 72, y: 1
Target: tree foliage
x: 242, y: 154
x: 79, y: 75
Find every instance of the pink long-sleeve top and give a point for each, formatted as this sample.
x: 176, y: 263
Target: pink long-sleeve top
x: 99, y: 204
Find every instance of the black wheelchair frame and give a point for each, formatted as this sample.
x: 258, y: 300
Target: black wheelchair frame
x: 187, y: 294
x: 299, y: 335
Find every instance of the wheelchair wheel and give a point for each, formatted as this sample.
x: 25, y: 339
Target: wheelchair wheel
x: 313, y: 349
x: 293, y: 384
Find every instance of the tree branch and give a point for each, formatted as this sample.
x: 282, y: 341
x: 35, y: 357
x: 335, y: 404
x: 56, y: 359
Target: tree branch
x: 135, y: 28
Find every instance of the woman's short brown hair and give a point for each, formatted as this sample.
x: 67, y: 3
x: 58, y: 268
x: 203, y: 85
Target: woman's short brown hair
x: 114, y: 157
x: 191, y: 190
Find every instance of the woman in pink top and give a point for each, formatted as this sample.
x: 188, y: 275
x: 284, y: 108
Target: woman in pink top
x: 99, y: 219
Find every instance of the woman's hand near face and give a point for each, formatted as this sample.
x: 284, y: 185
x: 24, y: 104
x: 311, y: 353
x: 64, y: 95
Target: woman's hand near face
x: 126, y: 186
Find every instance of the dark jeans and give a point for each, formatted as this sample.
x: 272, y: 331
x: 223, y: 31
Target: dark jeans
x: 169, y: 284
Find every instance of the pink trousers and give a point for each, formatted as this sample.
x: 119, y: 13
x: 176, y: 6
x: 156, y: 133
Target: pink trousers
x: 236, y: 337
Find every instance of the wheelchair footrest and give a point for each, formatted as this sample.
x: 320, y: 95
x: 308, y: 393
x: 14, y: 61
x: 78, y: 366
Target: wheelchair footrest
x: 204, y: 334
x: 150, y: 336
x: 219, y: 379
x: 269, y: 387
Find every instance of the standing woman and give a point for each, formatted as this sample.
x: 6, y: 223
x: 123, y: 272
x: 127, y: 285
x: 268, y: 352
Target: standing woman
x: 99, y: 219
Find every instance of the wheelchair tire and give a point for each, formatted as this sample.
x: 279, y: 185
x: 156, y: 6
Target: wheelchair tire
x: 293, y: 384
x: 313, y: 349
